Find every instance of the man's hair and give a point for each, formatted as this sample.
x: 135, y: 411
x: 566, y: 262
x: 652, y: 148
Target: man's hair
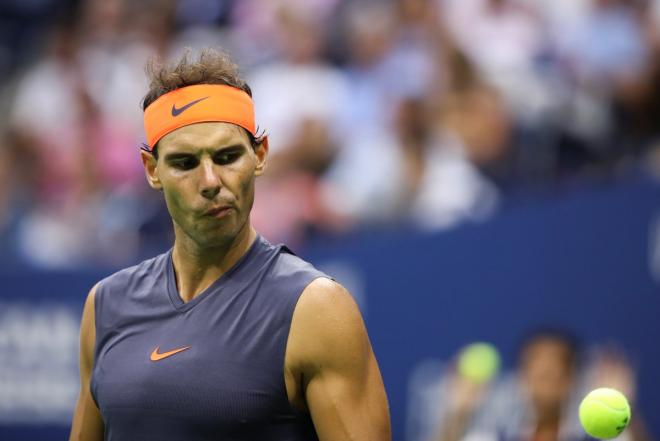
x: 209, y: 67
x: 557, y: 335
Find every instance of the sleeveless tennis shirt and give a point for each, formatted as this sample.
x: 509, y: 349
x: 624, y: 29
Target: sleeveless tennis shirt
x: 228, y: 382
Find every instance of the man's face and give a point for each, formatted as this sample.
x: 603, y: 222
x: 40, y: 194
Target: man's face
x: 547, y: 373
x: 206, y: 172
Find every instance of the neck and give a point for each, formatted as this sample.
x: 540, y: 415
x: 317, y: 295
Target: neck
x: 546, y: 431
x: 196, y: 268
x: 547, y: 424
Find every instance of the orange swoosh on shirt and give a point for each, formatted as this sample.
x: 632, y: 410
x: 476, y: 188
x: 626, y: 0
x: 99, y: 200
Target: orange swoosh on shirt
x: 155, y: 356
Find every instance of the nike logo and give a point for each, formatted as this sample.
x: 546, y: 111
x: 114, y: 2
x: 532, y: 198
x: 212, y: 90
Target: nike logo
x: 180, y: 110
x: 155, y: 356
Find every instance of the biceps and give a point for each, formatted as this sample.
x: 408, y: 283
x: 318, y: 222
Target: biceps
x: 350, y: 404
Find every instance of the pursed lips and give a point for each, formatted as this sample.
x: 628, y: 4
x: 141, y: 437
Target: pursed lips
x: 218, y: 211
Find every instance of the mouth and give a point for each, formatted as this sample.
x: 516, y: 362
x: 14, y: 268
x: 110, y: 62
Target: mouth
x: 218, y: 212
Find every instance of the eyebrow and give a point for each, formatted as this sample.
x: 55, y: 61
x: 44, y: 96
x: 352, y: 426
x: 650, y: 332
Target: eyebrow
x: 180, y: 155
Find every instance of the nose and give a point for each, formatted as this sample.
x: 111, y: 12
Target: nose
x: 210, y: 183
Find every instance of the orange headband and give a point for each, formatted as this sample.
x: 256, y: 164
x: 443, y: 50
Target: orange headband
x: 198, y: 103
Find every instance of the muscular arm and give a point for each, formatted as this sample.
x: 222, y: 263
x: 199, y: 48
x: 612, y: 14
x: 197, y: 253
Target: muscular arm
x: 87, y: 424
x: 330, y: 351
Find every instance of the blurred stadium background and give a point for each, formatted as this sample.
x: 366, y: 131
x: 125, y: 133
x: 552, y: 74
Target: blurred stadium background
x: 470, y: 169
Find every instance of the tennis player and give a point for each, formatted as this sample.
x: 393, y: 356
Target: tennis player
x: 225, y: 336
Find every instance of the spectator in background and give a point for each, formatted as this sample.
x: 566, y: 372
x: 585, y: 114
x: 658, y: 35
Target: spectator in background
x: 539, y: 402
x: 605, y: 57
x: 503, y: 40
x: 535, y: 406
x: 80, y: 98
x: 319, y: 91
x: 609, y: 45
x: 372, y: 76
x: 406, y: 111
x: 428, y: 166
x: 378, y: 116
x: 636, y: 94
x: 303, y: 97
x: 47, y: 119
x: 6, y: 186
x: 472, y: 131
x: 257, y: 25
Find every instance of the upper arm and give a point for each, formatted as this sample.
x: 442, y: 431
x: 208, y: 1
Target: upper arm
x: 330, y: 350
x: 87, y: 423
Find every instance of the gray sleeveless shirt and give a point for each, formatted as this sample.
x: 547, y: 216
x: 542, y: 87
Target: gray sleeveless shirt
x: 208, y: 370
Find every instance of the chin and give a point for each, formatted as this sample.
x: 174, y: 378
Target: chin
x: 215, y: 238
x: 219, y: 237
x: 214, y: 234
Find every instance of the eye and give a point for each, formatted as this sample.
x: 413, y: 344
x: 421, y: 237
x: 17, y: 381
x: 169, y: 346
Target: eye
x: 227, y: 157
x: 184, y: 163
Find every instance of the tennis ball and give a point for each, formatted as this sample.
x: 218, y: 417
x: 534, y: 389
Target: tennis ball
x: 478, y: 362
x: 604, y: 413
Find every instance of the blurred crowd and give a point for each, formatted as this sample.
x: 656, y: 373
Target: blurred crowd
x: 426, y: 113
x: 537, y: 401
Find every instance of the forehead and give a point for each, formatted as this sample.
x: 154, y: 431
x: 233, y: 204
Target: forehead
x: 201, y: 136
x: 544, y: 350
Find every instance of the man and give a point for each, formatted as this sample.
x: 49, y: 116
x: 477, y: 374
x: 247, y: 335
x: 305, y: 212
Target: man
x: 534, y: 404
x: 224, y: 337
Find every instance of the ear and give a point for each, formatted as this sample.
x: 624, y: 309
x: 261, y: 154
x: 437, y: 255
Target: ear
x: 262, y: 153
x: 150, y: 169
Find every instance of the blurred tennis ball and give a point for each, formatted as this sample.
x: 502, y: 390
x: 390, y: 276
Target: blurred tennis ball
x: 478, y: 362
x: 604, y: 413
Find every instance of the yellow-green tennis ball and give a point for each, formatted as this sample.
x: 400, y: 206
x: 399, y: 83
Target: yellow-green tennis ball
x: 478, y: 362
x: 604, y: 413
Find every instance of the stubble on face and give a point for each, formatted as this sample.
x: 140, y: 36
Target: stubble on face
x: 203, y: 168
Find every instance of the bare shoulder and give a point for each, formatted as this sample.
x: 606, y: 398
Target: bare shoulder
x: 326, y: 307
x: 326, y: 297
x: 327, y: 325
